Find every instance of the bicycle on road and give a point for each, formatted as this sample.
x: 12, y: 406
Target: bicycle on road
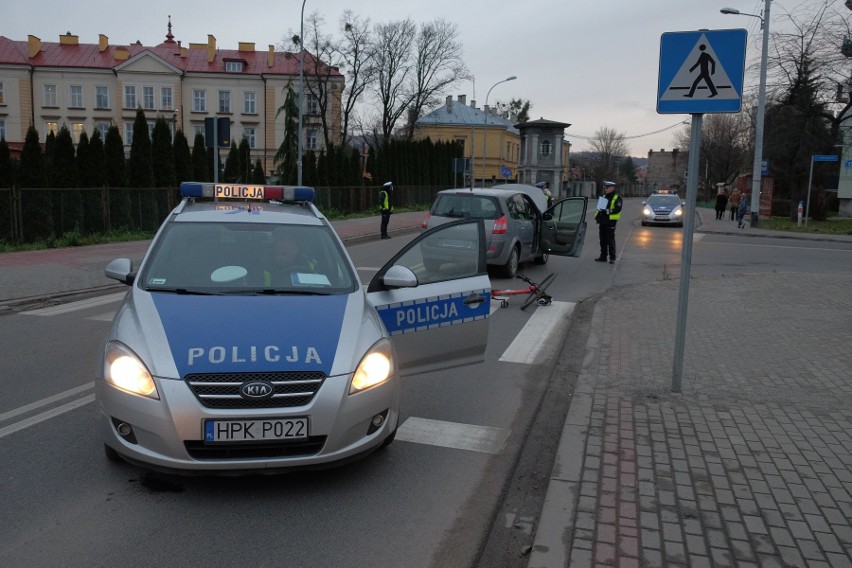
x: 536, y: 292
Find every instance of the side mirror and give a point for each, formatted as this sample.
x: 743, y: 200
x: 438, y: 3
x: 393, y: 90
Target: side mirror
x: 399, y: 276
x: 121, y: 269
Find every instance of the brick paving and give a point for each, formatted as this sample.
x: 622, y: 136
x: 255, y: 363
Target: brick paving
x: 750, y: 465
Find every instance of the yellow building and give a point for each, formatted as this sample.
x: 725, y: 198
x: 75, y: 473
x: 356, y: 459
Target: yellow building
x: 491, y: 142
x: 92, y: 86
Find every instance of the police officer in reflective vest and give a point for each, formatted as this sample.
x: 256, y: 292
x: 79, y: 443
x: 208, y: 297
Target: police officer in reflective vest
x: 386, y: 206
x: 606, y: 219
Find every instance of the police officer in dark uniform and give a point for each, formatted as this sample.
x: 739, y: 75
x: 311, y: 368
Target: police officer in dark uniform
x: 386, y: 207
x: 606, y: 219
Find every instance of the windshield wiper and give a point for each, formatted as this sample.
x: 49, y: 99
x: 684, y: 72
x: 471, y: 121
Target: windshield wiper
x: 289, y: 292
x: 186, y: 291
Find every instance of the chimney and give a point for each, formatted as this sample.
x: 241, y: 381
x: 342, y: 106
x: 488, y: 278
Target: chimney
x: 103, y: 43
x: 121, y: 54
x: 449, y: 102
x: 33, y: 46
x: 69, y: 39
x: 472, y: 103
x: 463, y: 99
x: 211, y: 48
x: 487, y: 109
x: 270, y: 57
x: 245, y: 46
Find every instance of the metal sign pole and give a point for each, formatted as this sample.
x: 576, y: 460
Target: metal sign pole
x: 686, y: 250
x: 808, y: 202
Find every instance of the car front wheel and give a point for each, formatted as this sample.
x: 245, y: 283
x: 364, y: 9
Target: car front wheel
x: 542, y: 259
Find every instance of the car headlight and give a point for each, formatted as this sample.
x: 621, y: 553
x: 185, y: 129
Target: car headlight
x: 647, y: 212
x: 376, y: 367
x: 677, y: 212
x: 124, y: 370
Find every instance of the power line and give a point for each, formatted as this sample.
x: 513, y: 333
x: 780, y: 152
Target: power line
x: 634, y: 136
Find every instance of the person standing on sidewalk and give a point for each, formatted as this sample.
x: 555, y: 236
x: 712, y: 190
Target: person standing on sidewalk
x: 742, y: 209
x: 386, y: 207
x: 606, y: 219
x: 734, y: 200
x: 721, y: 202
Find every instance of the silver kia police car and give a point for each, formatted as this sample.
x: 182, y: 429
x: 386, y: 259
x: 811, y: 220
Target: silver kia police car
x: 247, y: 343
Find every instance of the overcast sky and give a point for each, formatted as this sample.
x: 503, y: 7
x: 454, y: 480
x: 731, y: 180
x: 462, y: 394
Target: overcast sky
x: 588, y: 63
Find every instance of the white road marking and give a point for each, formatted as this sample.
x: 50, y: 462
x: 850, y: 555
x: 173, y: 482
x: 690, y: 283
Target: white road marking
x: 45, y: 401
x: 74, y: 306
x: 17, y: 426
x: 483, y: 439
x: 528, y: 344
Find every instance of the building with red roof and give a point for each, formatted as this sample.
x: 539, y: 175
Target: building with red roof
x: 88, y: 87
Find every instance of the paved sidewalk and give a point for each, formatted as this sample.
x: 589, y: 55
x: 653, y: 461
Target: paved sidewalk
x: 751, y: 465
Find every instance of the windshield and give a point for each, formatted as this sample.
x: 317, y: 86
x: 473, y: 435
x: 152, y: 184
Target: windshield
x: 466, y: 205
x: 243, y: 258
x: 670, y: 200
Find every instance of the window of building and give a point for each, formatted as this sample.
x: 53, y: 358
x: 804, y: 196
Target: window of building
x: 150, y: 130
x: 75, y: 96
x: 148, y: 98
x: 250, y: 106
x: 102, y: 128
x: 128, y: 133
x: 312, y: 104
x: 311, y: 140
x: 2, y: 98
x: 224, y: 101
x: 129, y: 97
x: 101, y: 97
x: 2, y: 129
x: 49, y: 96
x: 250, y: 136
x: 196, y: 130
x: 52, y: 127
x: 76, y: 131
x: 166, y: 102
x: 546, y: 148
x: 199, y: 100
x: 234, y: 66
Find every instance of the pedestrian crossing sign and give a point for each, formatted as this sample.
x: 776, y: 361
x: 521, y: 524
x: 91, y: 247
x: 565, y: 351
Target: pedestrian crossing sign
x: 701, y: 71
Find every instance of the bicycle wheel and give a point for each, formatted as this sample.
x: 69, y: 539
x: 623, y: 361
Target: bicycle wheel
x: 539, y: 290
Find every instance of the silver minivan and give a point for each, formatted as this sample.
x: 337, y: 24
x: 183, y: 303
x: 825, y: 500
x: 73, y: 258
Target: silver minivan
x: 520, y: 227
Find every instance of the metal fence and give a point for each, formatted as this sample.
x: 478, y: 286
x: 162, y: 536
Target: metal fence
x: 31, y: 215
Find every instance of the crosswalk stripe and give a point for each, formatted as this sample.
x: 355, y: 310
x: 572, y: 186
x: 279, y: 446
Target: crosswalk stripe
x: 485, y: 439
x: 537, y: 332
x: 75, y: 306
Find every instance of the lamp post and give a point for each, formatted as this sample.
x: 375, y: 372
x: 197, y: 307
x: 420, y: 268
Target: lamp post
x: 301, y: 92
x: 761, y: 109
x: 485, y: 129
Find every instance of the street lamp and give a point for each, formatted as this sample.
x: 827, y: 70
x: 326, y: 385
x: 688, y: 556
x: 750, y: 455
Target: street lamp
x: 761, y: 108
x: 301, y: 92
x: 485, y: 130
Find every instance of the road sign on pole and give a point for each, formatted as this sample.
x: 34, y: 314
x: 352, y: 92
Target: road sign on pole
x: 701, y: 71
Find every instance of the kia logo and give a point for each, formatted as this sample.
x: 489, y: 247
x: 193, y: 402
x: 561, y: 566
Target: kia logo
x: 256, y: 390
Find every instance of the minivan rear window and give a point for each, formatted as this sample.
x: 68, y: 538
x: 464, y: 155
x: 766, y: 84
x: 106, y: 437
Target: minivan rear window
x: 465, y: 205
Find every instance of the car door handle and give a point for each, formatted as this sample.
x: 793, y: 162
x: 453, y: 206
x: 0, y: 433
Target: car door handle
x: 473, y: 299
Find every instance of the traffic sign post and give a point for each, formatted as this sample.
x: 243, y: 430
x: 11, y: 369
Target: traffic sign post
x: 701, y: 71
x: 816, y: 158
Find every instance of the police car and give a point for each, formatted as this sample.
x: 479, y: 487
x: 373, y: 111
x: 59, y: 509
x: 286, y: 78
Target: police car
x: 247, y: 343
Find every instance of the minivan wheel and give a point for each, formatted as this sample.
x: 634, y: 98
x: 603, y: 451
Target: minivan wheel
x: 510, y: 269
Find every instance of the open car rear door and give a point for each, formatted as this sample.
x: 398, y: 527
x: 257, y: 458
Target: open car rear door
x: 563, y: 227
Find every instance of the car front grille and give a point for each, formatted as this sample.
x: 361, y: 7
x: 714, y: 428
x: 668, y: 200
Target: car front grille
x: 222, y: 390
x: 198, y: 450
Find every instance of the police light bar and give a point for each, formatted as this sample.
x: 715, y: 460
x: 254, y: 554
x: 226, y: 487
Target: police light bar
x: 252, y: 192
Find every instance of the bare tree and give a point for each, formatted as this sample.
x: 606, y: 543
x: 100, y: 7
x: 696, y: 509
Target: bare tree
x: 607, y: 146
x: 437, y: 65
x: 392, y: 65
x: 322, y: 59
x: 725, y: 148
x: 354, y: 50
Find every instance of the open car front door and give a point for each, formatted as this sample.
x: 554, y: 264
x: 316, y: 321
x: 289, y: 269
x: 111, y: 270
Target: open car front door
x: 563, y: 227
x: 434, y: 298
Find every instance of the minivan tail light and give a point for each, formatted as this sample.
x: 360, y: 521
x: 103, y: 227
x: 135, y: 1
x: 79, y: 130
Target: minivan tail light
x: 425, y: 222
x: 501, y: 225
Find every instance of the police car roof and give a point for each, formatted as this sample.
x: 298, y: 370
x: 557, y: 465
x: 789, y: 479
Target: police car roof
x: 248, y: 212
